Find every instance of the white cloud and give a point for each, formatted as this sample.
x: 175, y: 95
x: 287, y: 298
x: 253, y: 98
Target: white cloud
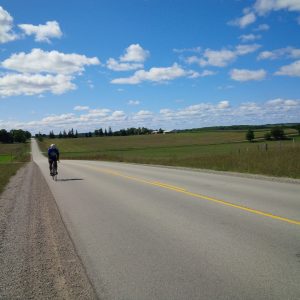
x: 6, y: 25
x: 292, y: 70
x: 38, y: 61
x: 219, y: 58
x: 246, y: 75
x: 95, y: 113
x: 223, y: 104
x: 223, y: 57
x: 264, y: 6
x: 117, y: 116
x: 135, y: 53
x: 279, y: 102
x: 197, y: 115
x: 206, y: 73
x: 27, y: 84
x: 154, y: 75
x: 249, y: 37
x: 80, y: 108
x: 225, y: 87
x: 195, y: 49
x: 58, y: 119
x: 166, y: 111
x: 289, y: 52
x: 194, y: 74
x: 192, y: 60
x: 262, y: 27
x: 133, y: 102
x: 42, y: 33
x: 143, y: 115
x: 133, y: 59
x: 244, y: 21
x: 114, y: 65
x: 246, y: 49
x: 267, y: 55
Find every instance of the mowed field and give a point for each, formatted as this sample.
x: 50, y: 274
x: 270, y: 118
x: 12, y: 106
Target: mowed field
x: 217, y: 150
x: 12, y: 157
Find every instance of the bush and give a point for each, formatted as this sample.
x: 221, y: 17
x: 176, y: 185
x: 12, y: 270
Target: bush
x: 277, y: 133
x: 250, y: 135
x: 268, y: 136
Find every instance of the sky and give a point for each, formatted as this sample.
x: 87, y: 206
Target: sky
x: 170, y: 64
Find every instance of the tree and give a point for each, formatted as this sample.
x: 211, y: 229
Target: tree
x: 250, y: 135
x: 6, y: 137
x: 51, y: 135
x: 71, y: 133
x: 268, y: 136
x: 27, y: 134
x: 19, y: 135
x: 297, y: 127
x: 277, y: 133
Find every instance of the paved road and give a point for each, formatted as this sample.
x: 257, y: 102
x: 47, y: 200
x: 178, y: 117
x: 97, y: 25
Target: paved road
x: 158, y: 233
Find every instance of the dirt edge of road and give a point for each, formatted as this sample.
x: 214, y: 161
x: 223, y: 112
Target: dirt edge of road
x: 37, y: 256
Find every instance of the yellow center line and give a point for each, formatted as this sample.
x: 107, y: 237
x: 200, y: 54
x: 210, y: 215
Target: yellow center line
x: 199, y: 196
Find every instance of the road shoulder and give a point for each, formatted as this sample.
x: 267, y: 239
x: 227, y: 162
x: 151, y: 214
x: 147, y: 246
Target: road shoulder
x: 37, y: 257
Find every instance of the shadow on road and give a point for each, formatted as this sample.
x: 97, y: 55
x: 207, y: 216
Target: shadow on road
x: 69, y: 179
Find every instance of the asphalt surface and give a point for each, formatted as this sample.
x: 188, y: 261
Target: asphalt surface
x: 146, y: 232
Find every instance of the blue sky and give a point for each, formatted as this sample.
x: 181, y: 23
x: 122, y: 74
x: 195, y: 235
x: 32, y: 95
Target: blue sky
x: 154, y: 63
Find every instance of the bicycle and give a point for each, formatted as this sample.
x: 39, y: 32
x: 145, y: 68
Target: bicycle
x: 54, y: 171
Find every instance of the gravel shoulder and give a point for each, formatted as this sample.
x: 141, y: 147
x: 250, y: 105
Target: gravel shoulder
x: 37, y: 257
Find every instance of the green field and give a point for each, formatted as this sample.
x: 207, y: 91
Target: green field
x: 217, y: 150
x: 12, y: 157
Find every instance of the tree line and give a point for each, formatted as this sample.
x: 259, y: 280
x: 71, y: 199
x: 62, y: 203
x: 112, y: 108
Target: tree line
x: 98, y: 133
x: 243, y: 127
x: 14, y: 136
x: 276, y: 133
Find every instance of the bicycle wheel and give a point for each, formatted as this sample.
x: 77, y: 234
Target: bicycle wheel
x: 53, y: 172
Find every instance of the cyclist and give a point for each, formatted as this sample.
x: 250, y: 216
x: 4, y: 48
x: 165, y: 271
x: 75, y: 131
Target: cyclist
x: 53, y: 157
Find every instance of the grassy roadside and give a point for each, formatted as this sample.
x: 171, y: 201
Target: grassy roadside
x: 218, y: 150
x: 12, y: 157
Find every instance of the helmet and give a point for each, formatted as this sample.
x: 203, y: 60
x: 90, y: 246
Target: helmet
x: 52, y: 146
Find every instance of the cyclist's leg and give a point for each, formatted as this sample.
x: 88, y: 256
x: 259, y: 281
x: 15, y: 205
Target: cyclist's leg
x: 50, y: 165
x: 55, y: 165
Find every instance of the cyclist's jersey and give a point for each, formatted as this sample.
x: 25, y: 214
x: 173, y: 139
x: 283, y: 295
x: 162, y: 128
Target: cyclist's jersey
x: 53, y: 154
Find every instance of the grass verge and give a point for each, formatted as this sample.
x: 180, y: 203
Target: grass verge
x: 12, y: 157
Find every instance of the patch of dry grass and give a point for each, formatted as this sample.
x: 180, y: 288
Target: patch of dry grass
x: 208, y: 150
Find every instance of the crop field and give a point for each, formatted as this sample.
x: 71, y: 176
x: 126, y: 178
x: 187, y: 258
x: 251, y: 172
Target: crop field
x: 12, y: 157
x: 217, y: 150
